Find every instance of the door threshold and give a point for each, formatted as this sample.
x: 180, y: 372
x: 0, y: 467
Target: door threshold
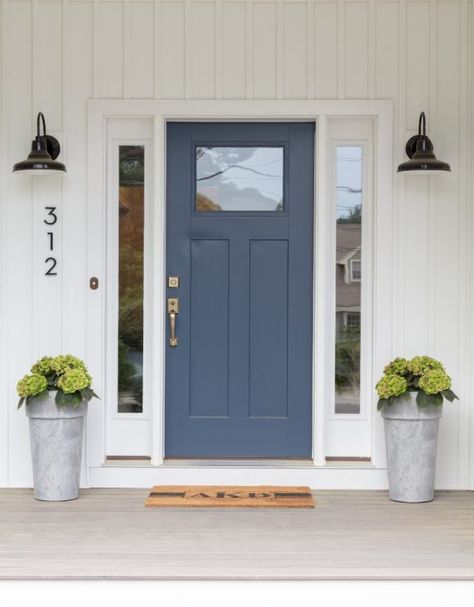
x: 238, y: 462
x: 127, y: 460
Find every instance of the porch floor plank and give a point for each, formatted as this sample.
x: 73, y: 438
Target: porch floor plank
x: 109, y: 534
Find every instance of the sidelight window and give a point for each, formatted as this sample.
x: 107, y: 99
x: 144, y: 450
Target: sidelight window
x: 130, y: 318
x: 348, y: 278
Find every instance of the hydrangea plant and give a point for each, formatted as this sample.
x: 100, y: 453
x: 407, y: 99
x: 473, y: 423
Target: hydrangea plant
x: 422, y: 374
x: 65, y: 374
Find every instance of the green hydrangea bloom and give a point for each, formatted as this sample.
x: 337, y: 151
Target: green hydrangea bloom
x: 434, y: 381
x: 398, y: 366
x: 67, y: 361
x: 43, y: 366
x: 72, y: 380
x: 419, y: 364
x: 391, y: 385
x: 31, y: 385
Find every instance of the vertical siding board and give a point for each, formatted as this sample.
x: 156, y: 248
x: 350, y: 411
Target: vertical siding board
x: 295, y: 50
x: 325, y: 50
x: 264, y: 56
x: 140, y: 56
x: 157, y: 49
x: 234, y: 52
x: 18, y: 230
x: 416, y: 227
x: 470, y: 247
x: 417, y: 61
x: 218, y: 59
x: 4, y: 410
x: 447, y: 241
x: 371, y: 62
x: 49, y: 63
x: 356, y: 50
x: 310, y: 50
x: 386, y: 50
x: 173, y: 50
x: 415, y: 234
x: 109, y: 44
x: 48, y: 290
x: 399, y: 201
x: 249, y: 49
x: 78, y: 77
x: 203, y: 50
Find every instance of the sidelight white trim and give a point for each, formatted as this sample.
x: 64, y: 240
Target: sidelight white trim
x: 99, y: 112
x: 127, y: 433
x: 350, y: 434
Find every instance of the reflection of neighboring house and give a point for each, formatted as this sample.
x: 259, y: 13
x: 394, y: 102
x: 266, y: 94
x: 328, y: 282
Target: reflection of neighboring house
x: 348, y: 274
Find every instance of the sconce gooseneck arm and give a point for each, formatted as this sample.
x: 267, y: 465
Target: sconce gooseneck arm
x: 38, y: 119
x: 421, y: 123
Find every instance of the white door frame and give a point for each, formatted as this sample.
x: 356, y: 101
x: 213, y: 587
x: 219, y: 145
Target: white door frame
x: 274, y: 110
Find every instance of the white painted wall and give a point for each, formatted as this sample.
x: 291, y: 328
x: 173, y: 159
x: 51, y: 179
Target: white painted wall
x: 56, y: 54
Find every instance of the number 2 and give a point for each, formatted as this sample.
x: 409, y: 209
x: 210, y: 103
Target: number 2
x: 49, y: 271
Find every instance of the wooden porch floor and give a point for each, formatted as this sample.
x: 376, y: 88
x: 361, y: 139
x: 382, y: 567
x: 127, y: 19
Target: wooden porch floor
x: 108, y: 534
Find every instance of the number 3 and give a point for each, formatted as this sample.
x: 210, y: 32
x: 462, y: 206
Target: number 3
x: 51, y: 214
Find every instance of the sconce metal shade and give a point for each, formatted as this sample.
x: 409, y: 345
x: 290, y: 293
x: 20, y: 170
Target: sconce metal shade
x: 42, y: 158
x: 420, y: 151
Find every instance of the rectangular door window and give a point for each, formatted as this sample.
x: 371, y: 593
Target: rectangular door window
x: 239, y: 178
x: 130, y: 320
x: 348, y: 277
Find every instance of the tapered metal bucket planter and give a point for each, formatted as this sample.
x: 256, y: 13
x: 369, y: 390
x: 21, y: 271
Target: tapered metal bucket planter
x: 411, y: 440
x: 56, y: 436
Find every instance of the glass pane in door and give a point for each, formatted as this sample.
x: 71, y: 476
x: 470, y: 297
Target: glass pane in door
x: 130, y: 330
x: 239, y: 178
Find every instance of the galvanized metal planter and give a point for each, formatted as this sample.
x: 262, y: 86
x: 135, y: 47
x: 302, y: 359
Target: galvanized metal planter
x: 56, y: 436
x: 411, y: 440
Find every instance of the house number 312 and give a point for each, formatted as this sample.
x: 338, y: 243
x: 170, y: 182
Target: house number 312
x: 50, y: 220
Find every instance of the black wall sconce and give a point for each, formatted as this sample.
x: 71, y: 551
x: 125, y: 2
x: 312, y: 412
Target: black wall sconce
x: 420, y: 151
x: 44, y: 151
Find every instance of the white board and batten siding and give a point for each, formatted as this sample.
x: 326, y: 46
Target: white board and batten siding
x: 57, y: 54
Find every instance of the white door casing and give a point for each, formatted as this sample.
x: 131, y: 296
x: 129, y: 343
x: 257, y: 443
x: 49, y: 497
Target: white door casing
x: 327, y: 114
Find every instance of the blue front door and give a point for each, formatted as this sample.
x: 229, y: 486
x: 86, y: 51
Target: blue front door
x: 240, y: 242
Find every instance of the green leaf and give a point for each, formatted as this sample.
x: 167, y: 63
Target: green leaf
x: 87, y: 393
x: 73, y: 399
x: 21, y: 401
x: 384, y: 402
x: 436, y: 399
x: 60, y: 398
x: 425, y: 400
x: 422, y: 399
x: 449, y: 395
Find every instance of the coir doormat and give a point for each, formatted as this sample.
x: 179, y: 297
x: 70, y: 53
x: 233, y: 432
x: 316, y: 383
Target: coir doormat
x: 223, y: 496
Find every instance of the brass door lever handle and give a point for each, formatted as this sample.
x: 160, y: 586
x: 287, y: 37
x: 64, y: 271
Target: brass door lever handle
x: 173, y: 310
